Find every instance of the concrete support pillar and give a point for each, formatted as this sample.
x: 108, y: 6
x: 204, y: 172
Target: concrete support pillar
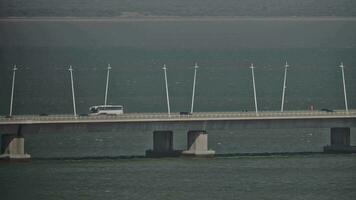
x: 162, y: 141
x: 339, y: 140
x: 13, y: 147
x: 340, y: 136
x: 162, y: 145
x: 197, y: 144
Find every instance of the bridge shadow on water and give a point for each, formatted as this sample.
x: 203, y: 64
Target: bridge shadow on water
x: 127, y: 157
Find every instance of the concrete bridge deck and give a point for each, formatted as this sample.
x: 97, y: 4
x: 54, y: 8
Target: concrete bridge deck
x: 176, y: 117
x: 162, y: 125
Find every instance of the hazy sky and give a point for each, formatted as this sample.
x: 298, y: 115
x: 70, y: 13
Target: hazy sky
x: 177, y: 8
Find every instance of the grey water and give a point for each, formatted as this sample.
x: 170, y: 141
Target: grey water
x: 280, y: 177
x: 137, y: 50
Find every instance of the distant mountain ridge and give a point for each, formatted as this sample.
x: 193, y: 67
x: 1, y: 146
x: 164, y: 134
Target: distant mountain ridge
x: 132, y: 8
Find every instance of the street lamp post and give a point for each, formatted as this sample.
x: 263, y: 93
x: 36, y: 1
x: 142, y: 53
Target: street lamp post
x: 107, y: 84
x: 284, y: 86
x: 12, y: 88
x: 72, y: 83
x: 167, y: 94
x: 194, y: 83
x: 343, y: 82
x: 254, y: 87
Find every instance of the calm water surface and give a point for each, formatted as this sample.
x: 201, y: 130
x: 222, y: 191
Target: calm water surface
x: 272, y: 177
x: 137, y: 50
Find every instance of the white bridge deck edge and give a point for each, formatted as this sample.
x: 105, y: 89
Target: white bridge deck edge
x: 176, y: 117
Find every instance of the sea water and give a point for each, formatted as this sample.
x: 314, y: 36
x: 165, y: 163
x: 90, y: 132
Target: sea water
x: 137, y: 50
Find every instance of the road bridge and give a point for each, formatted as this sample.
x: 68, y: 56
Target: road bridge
x: 197, y: 126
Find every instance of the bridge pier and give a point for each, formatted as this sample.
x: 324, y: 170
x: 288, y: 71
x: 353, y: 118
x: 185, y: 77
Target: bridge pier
x: 198, y: 144
x: 339, y: 141
x: 162, y: 145
x: 13, y: 146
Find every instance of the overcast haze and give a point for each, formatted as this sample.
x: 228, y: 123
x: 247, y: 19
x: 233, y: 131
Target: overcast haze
x: 112, y: 8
